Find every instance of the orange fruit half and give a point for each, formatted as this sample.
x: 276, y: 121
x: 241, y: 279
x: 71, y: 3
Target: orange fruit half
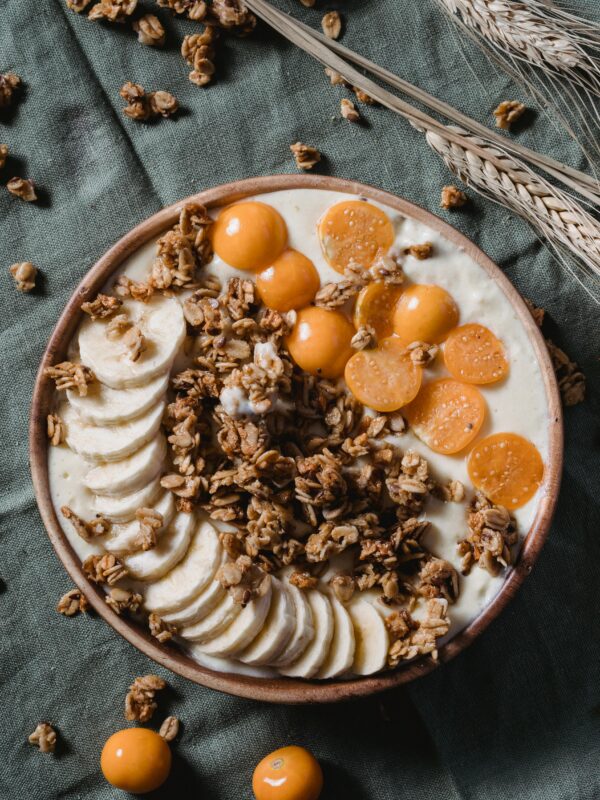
x: 446, y: 415
x: 375, y: 307
x: 507, y: 468
x: 354, y: 231
x: 385, y: 378
x: 473, y: 354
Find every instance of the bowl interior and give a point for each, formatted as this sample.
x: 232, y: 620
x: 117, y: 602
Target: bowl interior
x: 284, y: 690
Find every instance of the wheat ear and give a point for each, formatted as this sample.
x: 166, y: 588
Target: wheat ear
x: 510, y: 183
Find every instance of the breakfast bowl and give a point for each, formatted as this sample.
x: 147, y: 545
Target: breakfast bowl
x: 412, y: 500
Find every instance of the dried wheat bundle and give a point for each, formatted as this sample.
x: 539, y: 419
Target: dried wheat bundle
x: 493, y: 168
x: 511, y: 183
x: 554, y: 52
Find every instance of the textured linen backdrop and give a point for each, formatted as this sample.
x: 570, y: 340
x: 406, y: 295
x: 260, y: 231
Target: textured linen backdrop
x: 516, y: 716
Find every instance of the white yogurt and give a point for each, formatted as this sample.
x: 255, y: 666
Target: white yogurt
x: 518, y: 404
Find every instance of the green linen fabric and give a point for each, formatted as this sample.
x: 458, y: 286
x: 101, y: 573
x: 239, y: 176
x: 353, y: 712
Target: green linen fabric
x: 516, y: 716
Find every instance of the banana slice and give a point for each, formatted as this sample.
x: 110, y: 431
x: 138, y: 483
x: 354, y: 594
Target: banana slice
x: 341, y: 650
x: 201, y: 606
x: 371, y: 636
x: 162, y: 324
x: 114, y: 442
x: 116, y: 478
x: 303, y: 633
x: 105, y: 406
x: 122, y: 509
x: 150, y: 565
x: 123, y: 537
x: 315, y: 654
x: 190, y: 576
x: 278, y: 627
x: 244, y: 628
x: 214, y: 623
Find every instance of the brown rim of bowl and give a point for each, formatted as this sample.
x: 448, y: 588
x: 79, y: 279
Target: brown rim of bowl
x: 284, y: 690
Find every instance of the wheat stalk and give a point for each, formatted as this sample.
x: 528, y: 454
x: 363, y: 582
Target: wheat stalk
x: 555, y: 53
x: 511, y: 183
x: 491, y: 169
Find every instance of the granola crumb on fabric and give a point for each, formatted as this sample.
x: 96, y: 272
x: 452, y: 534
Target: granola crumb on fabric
x: 305, y: 155
x: 73, y: 602
x: 507, y: 112
x: 24, y: 274
x: 44, y: 737
x: 150, y: 30
x: 140, y: 701
x: 332, y: 24
x: 452, y: 197
x: 23, y: 188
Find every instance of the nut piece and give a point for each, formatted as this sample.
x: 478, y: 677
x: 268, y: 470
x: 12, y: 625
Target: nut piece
x: 3, y: 155
x: 102, y: 307
x: 9, y: 82
x: 24, y: 274
x: 78, y: 5
x: 332, y: 24
x: 55, y: 429
x: 44, y: 736
x: 420, y: 251
x: 22, y: 188
x: 364, y: 338
x: 149, y: 30
x: 452, y: 197
x: 160, y: 629
x: 113, y: 10
x: 162, y: 104
x: 121, y: 600
x: 305, y: 155
x: 139, y: 702
x: 169, y: 729
x: 349, y: 110
x: 508, y: 112
x: 73, y: 602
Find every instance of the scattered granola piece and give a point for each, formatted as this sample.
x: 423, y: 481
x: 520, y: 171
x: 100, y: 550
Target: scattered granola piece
x: 150, y: 30
x: 571, y: 380
x: 335, y: 78
x: 118, y: 327
x: 243, y: 579
x: 102, y: 307
x: 338, y: 293
x: 113, y: 10
x: 134, y: 342
x: 438, y: 578
x: 305, y: 155
x: 452, y: 197
x: 137, y: 103
x: 193, y: 9
x: 9, y: 83
x: 68, y: 375
x: 492, y: 532
x: 537, y: 313
x: 162, y: 104
x: 452, y: 492
x: 87, y: 530
x: 349, y: 110
x: 73, y: 602
x: 303, y: 580
x: 423, y: 353
x: 198, y: 49
x: 22, y: 188
x: 233, y: 16
x: 151, y: 522
x: 169, y: 729
x: 332, y: 24
x: 3, y: 155
x: 160, y: 629
x: 387, y: 269
x: 24, y: 274
x: 138, y: 290
x: 104, y: 569
x: 364, y: 338
x: 78, y: 5
x: 410, y: 639
x: 121, y: 600
x: 508, y: 112
x: 363, y: 97
x: 140, y: 702
x: 44, y: 736
x: 55, y: 429
x: 420, y: 251
x: 343, y: 587
x: 308, y: 3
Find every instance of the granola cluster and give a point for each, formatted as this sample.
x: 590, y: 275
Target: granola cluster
x: 492, y: 533
x: 198, y: 49
x: 9, y: 85
x: 142, y: 106
x: 293, y: 463
x: 507, y: 112
x: 140, y: 702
